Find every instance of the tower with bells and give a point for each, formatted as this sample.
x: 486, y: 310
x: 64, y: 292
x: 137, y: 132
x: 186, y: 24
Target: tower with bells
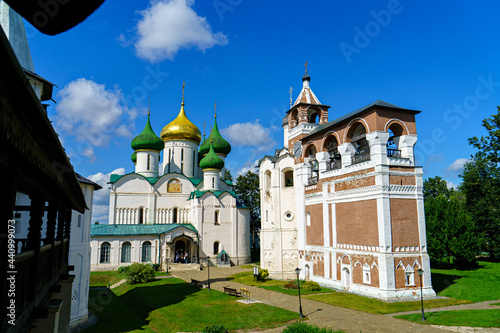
x: 175, y: 212
x: 343, y: 201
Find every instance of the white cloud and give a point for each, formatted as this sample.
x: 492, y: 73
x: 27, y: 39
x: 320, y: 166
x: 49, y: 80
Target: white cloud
x: 248, y: 167
x: 451, y: 185
x: 457, y: 166
x: 93, y: 114
x: 169, y: 25
x: 100, y: 206
x: 248, y: 134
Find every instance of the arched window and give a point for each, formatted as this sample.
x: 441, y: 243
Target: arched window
x: 366, y: 274
x: 126, y: 252
x: 331, y: 146
x: 213, y: 182
x: 174, y: 217
x: 357, y: 136
x: 312, y: 116
x: 146, y: 251
x: 267, y: 180
x: 141, y: 215
x: 216, y: 217
x: 216, y: 247
x: 182, y: 160
x: 105, y: 253
x: 79, y: 221
x: 288, y: 178
x: 308, y: 219
x: 169, y: 159
x: 395, y: 131
x: 149, y: 162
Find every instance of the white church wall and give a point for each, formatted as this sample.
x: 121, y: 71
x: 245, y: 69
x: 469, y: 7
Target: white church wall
x: 243, y: 236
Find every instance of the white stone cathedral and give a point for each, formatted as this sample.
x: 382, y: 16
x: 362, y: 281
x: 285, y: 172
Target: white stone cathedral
x: 178, y: 211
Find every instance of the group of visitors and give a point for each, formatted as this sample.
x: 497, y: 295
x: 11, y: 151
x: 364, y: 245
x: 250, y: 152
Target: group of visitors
x: 181, y: 257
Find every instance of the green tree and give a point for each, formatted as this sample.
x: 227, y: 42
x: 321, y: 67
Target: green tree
x: 228, y: 175
x: 247, y: 191
x: 435, y: 186
x: 481, y: 185
x: 450, y: 231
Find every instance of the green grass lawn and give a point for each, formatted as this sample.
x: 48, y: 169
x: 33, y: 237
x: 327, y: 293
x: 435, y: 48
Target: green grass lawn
x: 172, y: 305
x: 475, y: 285
x: 99, y: 279
x: 247, y: 278
x: 371, y: 305
x: 295, y: 292
x: 471, y: 318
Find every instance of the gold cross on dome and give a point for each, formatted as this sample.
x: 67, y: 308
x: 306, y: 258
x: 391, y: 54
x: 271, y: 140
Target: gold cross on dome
x: 215, y: 109
x: 291, y: 89
x: 204, y: 124
x: 183, y: 85
x: 306, y: 67
x: 149, y: 106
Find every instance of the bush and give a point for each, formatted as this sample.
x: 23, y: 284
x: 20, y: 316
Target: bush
x: 301, y: 327
x: 215, y: 329
x: 140, y: 273
x: 292, y: 284
x: 263, y: 274
x: 311, y: 286
x: 123, y: 269
x: 156, y: 267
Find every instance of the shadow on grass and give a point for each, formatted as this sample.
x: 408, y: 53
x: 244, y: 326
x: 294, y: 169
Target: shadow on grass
x: 442, y: 281
x: 130, y: 310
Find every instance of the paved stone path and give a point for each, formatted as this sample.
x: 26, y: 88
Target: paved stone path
x: 320, y: 314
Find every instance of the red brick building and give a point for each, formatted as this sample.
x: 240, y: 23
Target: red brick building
x: 343, y: 200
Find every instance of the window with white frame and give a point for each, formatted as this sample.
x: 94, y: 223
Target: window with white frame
x: 308, y: 219
x: 126, y: 252
x: 146, y: 251
x: 105, y: 251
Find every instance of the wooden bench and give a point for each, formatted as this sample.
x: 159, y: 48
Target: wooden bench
x: 231, y: 291
x: 196, y: 283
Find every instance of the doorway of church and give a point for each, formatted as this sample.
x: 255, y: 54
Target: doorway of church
x: 182, y: 255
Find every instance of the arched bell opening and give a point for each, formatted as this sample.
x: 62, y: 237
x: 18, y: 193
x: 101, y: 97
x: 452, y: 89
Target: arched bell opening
x: 335, y: 159
x: 357, y: 137
x: 395, y: 131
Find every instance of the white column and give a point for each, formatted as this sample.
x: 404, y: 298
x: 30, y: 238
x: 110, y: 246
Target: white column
x: 346, y: 151
x: 378, y: 147
x: 406, y: 143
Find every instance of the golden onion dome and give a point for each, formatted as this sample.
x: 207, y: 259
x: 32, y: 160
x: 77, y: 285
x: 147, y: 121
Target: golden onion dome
x: 181, y: 128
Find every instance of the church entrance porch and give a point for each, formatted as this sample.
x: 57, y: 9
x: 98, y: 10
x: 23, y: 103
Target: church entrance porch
x: 181, y: 250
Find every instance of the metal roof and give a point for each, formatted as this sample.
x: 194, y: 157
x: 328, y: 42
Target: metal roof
x: 135, y: 229
x: 84, y: 180
x: 355, y: 113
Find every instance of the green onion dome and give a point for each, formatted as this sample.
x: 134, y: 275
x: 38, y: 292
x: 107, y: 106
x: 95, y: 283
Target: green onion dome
x: 221, y: 146
x: 147, y: 139
x: 134, y: 157
x: 211, y: 160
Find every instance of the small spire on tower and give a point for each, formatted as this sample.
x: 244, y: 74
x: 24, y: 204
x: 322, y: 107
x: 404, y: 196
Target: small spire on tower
x: 291, y: 103
x: 183, y: 85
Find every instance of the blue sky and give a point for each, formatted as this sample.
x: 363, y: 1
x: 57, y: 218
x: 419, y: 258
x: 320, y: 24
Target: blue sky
x: 437, y: 57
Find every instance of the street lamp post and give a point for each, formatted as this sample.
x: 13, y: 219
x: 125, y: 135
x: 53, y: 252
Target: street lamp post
x: 208, y: 270
x: 420, y: 273
x: 297, y: 271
